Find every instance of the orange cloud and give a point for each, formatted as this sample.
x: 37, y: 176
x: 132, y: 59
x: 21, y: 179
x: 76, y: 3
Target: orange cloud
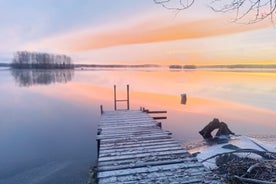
x: 136, y: 35
x: 146, y: 32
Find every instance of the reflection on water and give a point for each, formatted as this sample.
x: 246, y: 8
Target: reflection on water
x: 44, y: 138
x: 48, y: 133
x: 30, y: 77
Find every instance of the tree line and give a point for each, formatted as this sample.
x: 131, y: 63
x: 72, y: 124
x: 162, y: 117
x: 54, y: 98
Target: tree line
x: 38, y: 60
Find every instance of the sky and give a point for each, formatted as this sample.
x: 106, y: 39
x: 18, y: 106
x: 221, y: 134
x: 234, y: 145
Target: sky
x: 132, y: 32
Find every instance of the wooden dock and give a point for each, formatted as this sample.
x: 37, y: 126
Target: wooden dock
x: 134, y: 149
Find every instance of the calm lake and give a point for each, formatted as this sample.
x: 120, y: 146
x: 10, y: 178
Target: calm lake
x: 48, y: 119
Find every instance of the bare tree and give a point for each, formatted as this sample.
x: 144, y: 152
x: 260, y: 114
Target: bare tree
x: 176, y: 5
x: 245, y: 11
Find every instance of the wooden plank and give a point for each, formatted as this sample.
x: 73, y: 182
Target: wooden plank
x: 141, y: 155
x: 140, y: 143
x: 128, y: 122
x: 130, y: 135
x: 138, y: 132
x: 110, y: 119
x: 181, y: 176
x: 135, y: 152
x: 167, y: 180
x: 121, y: 117
x: 160, y: 117
x: 144, y: 164
x: 186, y: 158
x: 138, y: 147
x: 142, y: 132
x: 120, y: 131
x: 124, y: 114
x: 133, y: 122
x: 134, y: 139
x: 154, y: 112
x: 129, y: 126
x: 170, y: 167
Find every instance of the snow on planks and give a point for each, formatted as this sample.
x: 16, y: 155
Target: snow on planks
x: 133, y: 149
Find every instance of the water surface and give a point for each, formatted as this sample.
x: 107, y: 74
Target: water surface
x: 49, y: 118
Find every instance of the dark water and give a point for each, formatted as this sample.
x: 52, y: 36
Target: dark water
x: 48, y: 119
x: 43, y: 138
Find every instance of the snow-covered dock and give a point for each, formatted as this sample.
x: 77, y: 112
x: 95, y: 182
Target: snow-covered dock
x: 134, y: 149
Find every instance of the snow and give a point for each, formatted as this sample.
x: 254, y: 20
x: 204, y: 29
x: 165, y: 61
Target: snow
x: 242, y: 142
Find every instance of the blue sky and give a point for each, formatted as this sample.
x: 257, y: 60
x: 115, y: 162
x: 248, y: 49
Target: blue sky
x: 52, y: 16
x: 25, y: 21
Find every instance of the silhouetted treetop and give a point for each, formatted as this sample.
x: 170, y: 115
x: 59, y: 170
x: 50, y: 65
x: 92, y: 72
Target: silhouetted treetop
x: 25, y: 60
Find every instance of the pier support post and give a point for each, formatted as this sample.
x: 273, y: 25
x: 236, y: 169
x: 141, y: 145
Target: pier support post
x: 98, y: 142
x: 159, y: 124
x: 127, y: 97
x: 101, y: 109
x: 115, y: 100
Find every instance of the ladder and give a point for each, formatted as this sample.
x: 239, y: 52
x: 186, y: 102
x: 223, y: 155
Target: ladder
x: 121, y: 100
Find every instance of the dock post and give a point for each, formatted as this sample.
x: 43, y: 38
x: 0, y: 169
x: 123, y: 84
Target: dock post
x: 127, y: 97
x: 101, y: 109
x: 159, y: 124
x: 115, y: 100
x: 98, y: 142
x: 183, y: 99
x: 98, y: 148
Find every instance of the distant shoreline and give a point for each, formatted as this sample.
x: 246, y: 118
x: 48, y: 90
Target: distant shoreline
x: 240, y: 66
x: 116, y: 66
x: 170, y: 67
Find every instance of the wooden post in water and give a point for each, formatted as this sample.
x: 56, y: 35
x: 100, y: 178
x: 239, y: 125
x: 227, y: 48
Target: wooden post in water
x: 183, y: 99
x: 101, y: 109
x: 115, y: 100
x: 127, y: 97
x: 98, y: 142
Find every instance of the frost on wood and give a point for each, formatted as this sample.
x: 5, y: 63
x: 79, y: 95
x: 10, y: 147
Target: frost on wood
x: 133, y: 149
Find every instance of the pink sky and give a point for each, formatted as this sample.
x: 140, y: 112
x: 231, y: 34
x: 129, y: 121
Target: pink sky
x: 148, y: 33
